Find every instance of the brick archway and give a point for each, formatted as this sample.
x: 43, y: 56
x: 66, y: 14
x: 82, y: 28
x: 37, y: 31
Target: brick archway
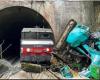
x: 12, y: 20
x: 45, y: 8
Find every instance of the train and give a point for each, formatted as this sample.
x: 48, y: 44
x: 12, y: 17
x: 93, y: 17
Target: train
x: 36, y: 45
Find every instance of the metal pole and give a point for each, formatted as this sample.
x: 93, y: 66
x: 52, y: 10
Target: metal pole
x: 6, y: 48
x: 1, y: 49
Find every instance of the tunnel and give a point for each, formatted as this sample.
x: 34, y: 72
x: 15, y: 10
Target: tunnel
x: 12, y: 21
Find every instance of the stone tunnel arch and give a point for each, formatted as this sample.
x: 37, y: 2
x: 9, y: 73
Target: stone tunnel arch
x: 12, y: 20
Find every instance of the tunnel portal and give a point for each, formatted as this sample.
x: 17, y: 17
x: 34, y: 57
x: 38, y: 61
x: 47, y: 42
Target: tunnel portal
x: 12, y: 21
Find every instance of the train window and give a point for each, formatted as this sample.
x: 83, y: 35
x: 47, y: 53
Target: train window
x: 37, y: 35
x: 45, y: 35
x: 29, y: 35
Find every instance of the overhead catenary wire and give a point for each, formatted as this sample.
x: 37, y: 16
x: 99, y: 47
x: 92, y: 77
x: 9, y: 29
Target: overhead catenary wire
x: 2, y: 51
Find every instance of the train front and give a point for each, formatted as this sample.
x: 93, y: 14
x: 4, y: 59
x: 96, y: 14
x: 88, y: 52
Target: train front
x: 36, y: 46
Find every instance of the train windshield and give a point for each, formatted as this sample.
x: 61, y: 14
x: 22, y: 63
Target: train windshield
x: 37, y: 35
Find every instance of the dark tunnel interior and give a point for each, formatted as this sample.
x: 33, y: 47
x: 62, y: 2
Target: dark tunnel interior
x: 12, y: 21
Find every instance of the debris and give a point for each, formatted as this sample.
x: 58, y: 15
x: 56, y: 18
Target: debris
x: 61, y: 42
x: 54, y: 74
x: 65, y: 71
x: 85, y: 73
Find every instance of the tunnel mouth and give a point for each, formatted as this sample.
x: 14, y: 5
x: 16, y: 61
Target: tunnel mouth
x: 12, y: 21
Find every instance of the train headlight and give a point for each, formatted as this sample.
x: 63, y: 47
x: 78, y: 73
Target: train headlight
x: 21, y: 50
x: 28, y: 50
x: 47, y: 49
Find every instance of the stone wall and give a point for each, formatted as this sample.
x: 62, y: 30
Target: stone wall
x: 57, y: 12
x: 97, y: 16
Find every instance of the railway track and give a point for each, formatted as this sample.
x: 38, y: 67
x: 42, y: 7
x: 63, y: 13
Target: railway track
x: 15, y: 72
x: 26, y: 75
